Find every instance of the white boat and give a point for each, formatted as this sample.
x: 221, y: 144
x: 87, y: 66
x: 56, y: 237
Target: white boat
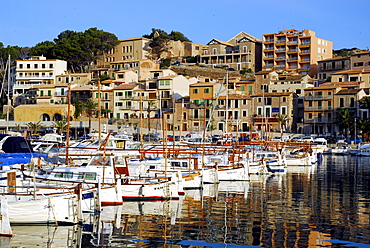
x: 341, y: 148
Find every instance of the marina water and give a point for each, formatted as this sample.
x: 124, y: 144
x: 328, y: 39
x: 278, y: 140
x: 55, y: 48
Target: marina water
x: 324, y: 205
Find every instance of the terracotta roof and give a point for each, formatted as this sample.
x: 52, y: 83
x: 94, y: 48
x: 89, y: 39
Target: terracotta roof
x: 354, y: 71
x: 43, y: 86
x: 84, y: 88
x: 136, y: 38
x: 335, y: 58
x: 347, y: 83
x: 125, y: 87
x: 348, y: 91
x: 203, y: 84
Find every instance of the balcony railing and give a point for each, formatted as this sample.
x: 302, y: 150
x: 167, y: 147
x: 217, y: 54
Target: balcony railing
x: 318, y: 108
x: 319, y: 97
x: 318, y: 120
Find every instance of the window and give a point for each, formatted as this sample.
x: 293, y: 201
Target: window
x: 195, y: 91
x: 268, y: 112
x: 259, y: 110
x: 206, y: 90
x: 245, y: 113
x: 283, y: 111
x: 35, y: 66
x: 298, y: 91
x: 87, y: 175
x: 43, y: 66
x: 341, y: 102
x: 20, y: 66
x: 284, y: 99
x: 221, y: 113
x: 352, y: 102
x: 28, y: 66
x: 49, y: 92
x: 358, y: 64
x: 242, y: 88
x: 51, y: 66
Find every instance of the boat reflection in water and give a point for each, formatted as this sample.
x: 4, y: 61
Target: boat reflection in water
x: 325, y: 205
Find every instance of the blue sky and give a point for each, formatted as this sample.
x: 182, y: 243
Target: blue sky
x: 28, y: 22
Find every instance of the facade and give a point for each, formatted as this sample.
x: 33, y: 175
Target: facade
x: 128, y: 49
x: 354, y: 75
x: 74, y: 78
x: 319, y: 110
x: 294, y: 51
x: 327, y: 67
x: 267, y: 107
x: 243, y: 51
x: 360, y: 60
x: 142, y: 68
x: 33, y: 112
x: 36, y: 71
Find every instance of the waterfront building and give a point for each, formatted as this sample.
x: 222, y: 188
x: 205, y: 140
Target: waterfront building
x: 268, y: 106
x: 319, y: 110
x: 294, y: 51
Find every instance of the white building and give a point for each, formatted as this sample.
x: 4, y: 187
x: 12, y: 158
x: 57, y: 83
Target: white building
x: 36, y: 71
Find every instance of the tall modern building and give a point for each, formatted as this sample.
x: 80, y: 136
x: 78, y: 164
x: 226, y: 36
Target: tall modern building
x: 294, y: 51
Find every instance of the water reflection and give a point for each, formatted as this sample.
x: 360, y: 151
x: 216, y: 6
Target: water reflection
x: 325, y: 205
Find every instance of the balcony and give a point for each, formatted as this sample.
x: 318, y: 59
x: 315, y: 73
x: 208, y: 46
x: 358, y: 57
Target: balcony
x: 292, y: 50
x: 305, y: 51
x: 280, y: 58
x: 319, y: 97
x: 280, y: 50
x: 319, y: 108
x: 269, y: 40
x: 292, y: 58
x: 61, y: 94
x: 280, y: 41
x: 280, y: 66
x: 292, y: 42
x: 318, y: 120
x: 269, y: 57
x: 269, y: 48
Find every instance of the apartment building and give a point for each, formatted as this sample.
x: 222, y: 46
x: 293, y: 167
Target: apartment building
x: 243, y: 51
x: 294, y: 51
x: 36, y: 71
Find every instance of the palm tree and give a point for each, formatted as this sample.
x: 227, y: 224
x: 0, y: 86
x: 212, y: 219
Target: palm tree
x: 61, y: 125
x: 151, y: 107
x: 35, y: 126
x: 90, y: 107
x: 364, y: 126
x: 283, y: 122
x: 344, y: 119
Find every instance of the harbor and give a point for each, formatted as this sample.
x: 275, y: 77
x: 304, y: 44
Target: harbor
x: 324, y: 204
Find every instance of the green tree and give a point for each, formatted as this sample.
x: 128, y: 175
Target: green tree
x: 90, y: 106
x: 35, y: 126
x: 344, y: 118
x: 81, y: 49
x: 45, y: 48
x: 364, y: 127
x: 283, y: 122
x: 78, y: 104
x: 61, y: 125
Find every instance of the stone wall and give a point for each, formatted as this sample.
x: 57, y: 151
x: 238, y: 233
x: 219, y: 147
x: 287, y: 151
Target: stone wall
x: 194, y: 71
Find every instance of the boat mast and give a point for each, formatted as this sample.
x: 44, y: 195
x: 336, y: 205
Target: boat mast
x: 99, y: 110
x: 7, y: 109
x: 68, y: 119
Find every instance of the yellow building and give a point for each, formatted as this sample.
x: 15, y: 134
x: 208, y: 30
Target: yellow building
x: 35, y: 112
